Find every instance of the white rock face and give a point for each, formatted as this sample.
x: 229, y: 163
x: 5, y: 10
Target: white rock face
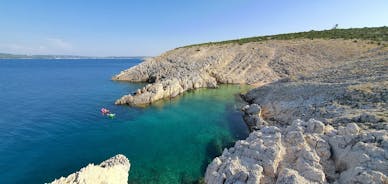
x: 304, y: 152
x: 112, y: 171
x: 165, y: 89
x: 258, y: 63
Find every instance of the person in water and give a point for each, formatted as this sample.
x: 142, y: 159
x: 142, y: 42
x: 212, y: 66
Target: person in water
x: 104, y: 111
x: 107, y: 112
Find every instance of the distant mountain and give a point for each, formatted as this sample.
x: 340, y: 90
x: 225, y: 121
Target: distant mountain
x: 21, y: 56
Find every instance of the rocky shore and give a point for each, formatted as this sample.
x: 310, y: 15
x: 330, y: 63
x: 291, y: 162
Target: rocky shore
x: 318, y: 114
x: 113, y: 171
x: 304, y: 152
x: 257, y: 63
x: 342, y: 137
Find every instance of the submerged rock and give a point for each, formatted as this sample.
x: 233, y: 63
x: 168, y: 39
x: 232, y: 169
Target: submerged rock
x: 304, y: 152
x: 113, y: 171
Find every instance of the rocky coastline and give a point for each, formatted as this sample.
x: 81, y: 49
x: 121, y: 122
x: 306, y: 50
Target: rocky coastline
x: 256, y: 63
x: 304, y: 152
x: 342, y: 137
x: 318, y: 113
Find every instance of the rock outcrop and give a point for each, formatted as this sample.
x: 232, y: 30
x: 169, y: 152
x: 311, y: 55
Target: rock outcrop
x: 252, y: 117
x: 346, y: 144
x: 165, y: 89
x: 342, y: 84
x: 304, y: 152
x: 113, y: 171
x: 183, y: 69
x: 355, y: 91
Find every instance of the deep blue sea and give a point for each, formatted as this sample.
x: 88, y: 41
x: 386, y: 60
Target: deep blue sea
x: 50, y: 124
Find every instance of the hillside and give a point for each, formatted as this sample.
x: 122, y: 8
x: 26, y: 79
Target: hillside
x: 255, y: 63
x: 378, y: 35
x: 318, y: 113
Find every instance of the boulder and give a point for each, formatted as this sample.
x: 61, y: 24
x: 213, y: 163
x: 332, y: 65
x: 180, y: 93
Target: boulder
x: 113, y: 171
x: 304, y: 152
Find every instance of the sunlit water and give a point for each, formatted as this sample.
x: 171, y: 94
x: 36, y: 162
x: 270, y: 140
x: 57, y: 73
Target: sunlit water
x: 50, y: 125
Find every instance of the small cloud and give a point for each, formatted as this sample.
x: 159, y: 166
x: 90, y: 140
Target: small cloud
x: 59, y: 43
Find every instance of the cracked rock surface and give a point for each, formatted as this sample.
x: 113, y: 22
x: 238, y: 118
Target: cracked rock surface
x: 113, y: 171
x: 258, y: 63
x: 318, y: 115
x: 304, y: 152
x: 355, y: 91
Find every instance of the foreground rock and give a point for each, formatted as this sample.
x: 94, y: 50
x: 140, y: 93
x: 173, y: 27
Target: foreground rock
x: 304, y: 152
x: 257, y: 63
x: 112, y: 171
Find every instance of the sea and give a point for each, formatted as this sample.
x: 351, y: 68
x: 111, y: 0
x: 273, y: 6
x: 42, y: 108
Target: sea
x: 51, y: 125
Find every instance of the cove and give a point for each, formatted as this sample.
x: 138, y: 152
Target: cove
x: 51, y: 126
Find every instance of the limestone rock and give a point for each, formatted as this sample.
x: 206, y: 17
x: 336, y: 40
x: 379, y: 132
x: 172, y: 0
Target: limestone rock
x: 352, y: 92
x: 113, y: 171
x: 252, y: 116
x: 304, y: 152
x: 252, y: 109
x: 164, y: 89
x: 251, y: 63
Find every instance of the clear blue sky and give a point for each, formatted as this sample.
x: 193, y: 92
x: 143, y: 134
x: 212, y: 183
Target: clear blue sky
x: 144, y: 27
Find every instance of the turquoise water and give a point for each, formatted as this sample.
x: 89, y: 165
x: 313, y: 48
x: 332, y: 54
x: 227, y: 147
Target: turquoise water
x: 50, y: 125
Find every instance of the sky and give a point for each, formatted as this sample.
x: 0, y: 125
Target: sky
x: 149, y: 28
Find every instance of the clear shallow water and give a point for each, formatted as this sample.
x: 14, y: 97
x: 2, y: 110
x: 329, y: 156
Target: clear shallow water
x: 50, y: 125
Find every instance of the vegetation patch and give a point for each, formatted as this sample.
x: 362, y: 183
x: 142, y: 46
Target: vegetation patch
x: 378, y: 35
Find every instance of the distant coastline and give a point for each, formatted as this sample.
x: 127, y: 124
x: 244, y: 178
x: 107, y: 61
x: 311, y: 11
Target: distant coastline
x: 22, y: 56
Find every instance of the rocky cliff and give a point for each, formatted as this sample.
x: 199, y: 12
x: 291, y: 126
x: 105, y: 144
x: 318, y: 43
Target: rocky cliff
x: 113, y: 171
x: 259, y: 63
x: 318, y: 114
x: 347, y: 143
